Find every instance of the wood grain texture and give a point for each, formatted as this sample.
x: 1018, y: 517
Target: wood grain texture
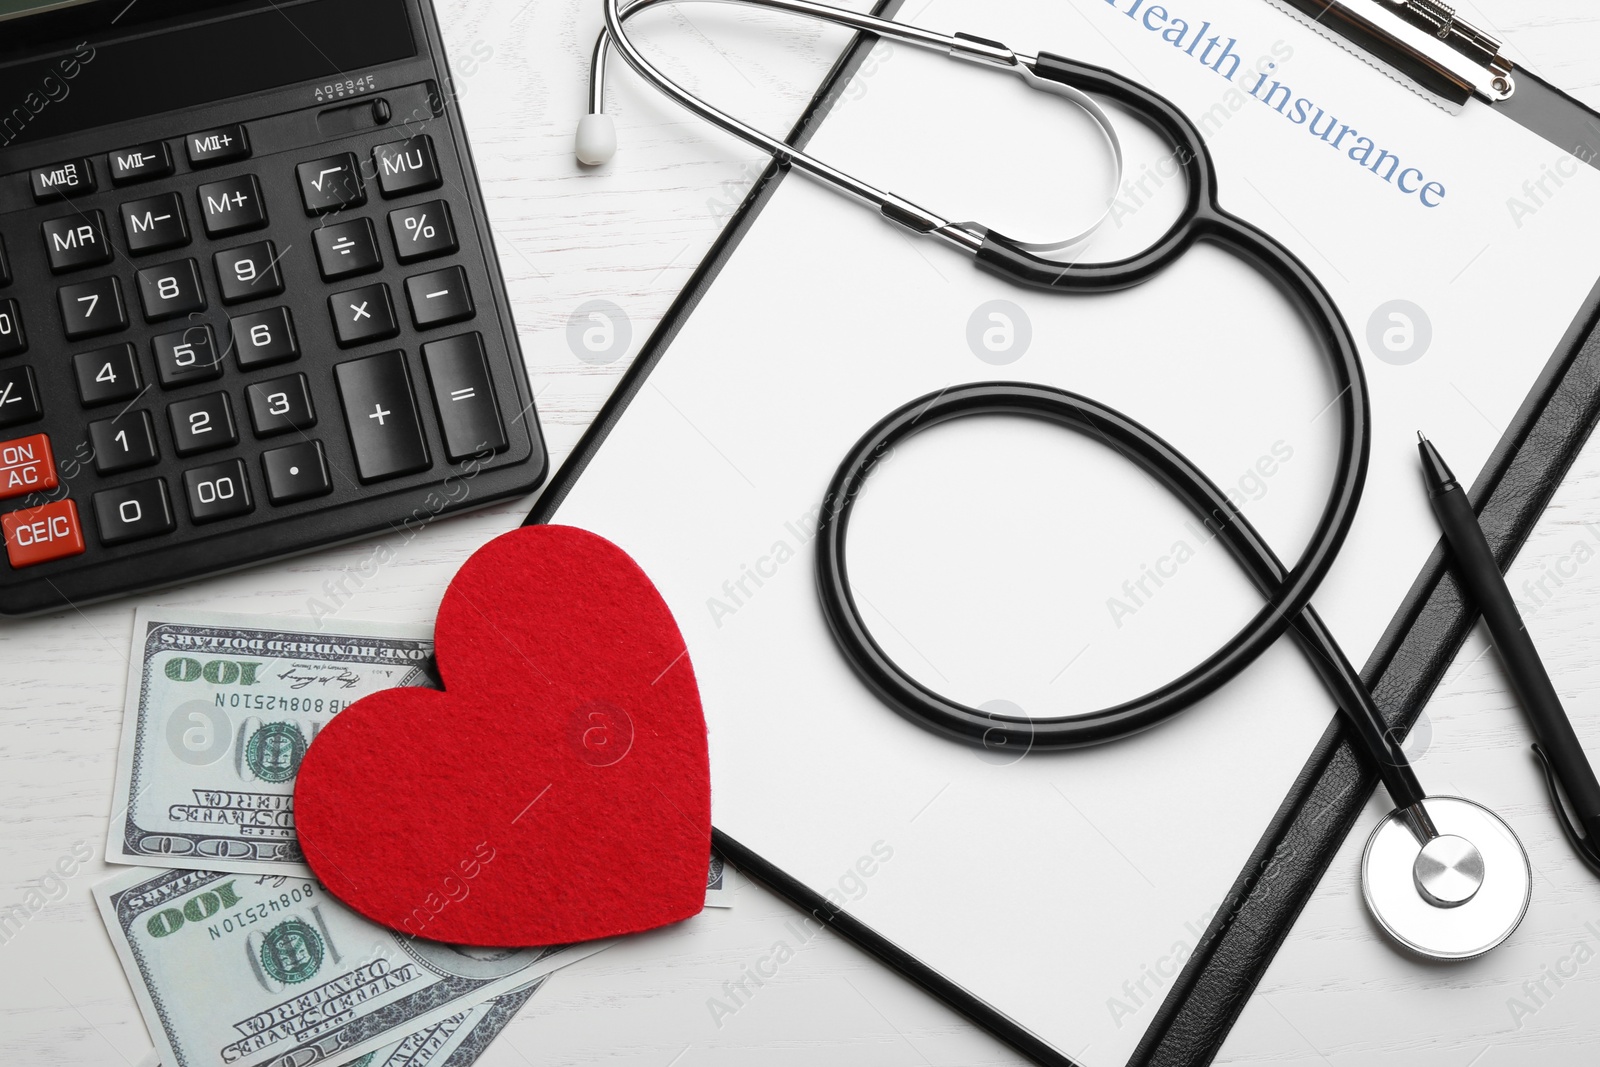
x: 631, y: 234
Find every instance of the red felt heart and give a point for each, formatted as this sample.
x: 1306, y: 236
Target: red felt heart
x: 558, y: 790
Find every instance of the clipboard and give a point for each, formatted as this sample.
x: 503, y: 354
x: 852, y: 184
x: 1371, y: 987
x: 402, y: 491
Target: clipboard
x: 1205, y: 998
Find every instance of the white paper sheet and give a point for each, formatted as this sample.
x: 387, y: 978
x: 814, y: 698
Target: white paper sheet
x: 992, y: 556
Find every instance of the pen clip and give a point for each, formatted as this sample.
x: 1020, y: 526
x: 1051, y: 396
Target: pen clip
x: 1581, y: 843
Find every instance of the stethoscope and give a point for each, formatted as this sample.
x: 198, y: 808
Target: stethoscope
x: 1443, y: 876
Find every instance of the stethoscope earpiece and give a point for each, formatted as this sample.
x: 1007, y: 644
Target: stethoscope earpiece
x: 596, y: 141
x: 1456, y: 896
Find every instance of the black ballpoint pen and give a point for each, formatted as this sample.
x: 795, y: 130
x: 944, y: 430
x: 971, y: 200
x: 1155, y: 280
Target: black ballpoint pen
x: 1558, y: 747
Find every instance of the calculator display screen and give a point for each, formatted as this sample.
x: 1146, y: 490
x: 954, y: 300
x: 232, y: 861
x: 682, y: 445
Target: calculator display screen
x: 112, y: 79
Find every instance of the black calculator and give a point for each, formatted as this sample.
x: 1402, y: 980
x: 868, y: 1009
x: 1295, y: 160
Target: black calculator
x: 249, y: 302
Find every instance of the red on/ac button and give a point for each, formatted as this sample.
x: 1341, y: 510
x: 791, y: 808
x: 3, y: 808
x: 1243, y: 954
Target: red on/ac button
x: 26, y: 466
x: 39, y: 535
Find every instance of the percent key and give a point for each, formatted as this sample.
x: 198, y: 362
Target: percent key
x: 422, y: 231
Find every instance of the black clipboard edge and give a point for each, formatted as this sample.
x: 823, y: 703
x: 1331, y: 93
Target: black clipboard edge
x: 1532, y: 457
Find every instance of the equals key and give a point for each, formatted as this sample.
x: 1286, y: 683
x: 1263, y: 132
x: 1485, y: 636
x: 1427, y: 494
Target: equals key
x: 464, y: 397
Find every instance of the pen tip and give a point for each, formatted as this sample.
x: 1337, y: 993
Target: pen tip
x: 1421, y: 436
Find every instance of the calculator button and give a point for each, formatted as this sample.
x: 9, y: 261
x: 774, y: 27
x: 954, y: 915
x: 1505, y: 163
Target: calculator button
x: 248, y: 273
x: 140, y: 163
x: 346, y: 248
x: 133, y: 512
x: 19, y: 396
x: 187, y: 356
x: 5, y: 265
x: 331, y: 183
x: 422, y: 231
x: 381, y: 412
x: 39, y: 535
x: 91, y: 308
x: 464, y: 396
x: 76, y: 241
x: 263, y: 338
x: 220, y: 145
x: 107, y: 375
x: 26, y: 466
x: 59, y: 180
x: 439, y: 297
x: 361, y: 315
x: 155, y: 224
x: 123, y: 443
x: 280, y: 405
x: 218, y: 491
x: 171, y: 289
x: 297, y: 472
x: 12, y: 339
x: 232, y: 206
x: 406, y: 166
x: 202, y: 424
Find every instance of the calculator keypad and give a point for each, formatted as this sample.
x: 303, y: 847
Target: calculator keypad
x: 313, y: 328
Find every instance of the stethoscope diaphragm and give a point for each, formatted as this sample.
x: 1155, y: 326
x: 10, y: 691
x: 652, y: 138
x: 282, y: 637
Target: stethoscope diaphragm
x: 1456, y: 897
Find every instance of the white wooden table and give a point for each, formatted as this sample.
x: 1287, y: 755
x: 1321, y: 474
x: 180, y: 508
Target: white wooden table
x: 632, y: 234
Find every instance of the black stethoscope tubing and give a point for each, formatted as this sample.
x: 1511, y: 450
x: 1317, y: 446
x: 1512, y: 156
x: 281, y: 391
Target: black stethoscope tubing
x: 1287, y: 591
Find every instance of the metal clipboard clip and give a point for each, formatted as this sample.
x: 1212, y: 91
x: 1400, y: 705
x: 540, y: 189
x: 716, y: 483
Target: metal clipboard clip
x: 1420, y: 43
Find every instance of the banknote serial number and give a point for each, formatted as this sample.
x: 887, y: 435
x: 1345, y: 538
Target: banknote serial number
x: 271, y: 702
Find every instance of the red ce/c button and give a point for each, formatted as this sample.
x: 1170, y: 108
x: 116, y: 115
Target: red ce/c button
x: 39, y: 535
x: 26, y: 466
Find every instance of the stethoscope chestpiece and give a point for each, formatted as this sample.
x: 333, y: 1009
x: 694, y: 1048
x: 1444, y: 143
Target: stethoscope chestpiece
x: 1456, y: 896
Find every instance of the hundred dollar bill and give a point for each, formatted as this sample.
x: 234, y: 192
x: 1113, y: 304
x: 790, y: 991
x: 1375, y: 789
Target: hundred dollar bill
x: 454, y: 1042
x: 271, y: 971
x: 220, y: 709
x: 218, y: 713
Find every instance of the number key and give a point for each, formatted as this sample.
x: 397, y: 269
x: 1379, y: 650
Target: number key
x: 91, y: 308
x: 248, y: 273
x: 12, y: 339
x: 133, y: 512
x: 123, y: 443
x: 201, y: 424
x: 263, y: 338
x: 280, y: 405
x: 186, y: 357
x: 107, y: 375
x: 218, y: 491
x: 170, y: 290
